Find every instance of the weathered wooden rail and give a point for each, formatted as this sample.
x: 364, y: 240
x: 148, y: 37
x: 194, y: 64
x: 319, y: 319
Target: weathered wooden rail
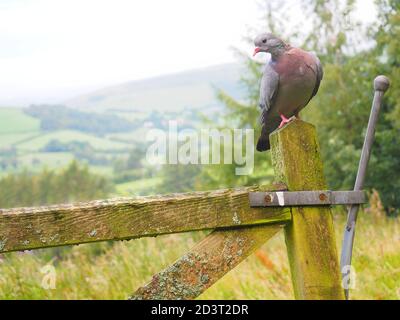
x: 237, y: 228
x: 129, y: 218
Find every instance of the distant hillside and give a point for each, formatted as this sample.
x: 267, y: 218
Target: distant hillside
x: 193, y: 89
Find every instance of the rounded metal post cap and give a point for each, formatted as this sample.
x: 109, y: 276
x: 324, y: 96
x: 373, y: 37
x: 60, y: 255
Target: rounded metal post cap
x: 381, y: 83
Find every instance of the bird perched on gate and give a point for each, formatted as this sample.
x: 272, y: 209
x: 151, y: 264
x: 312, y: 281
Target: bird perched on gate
x: 290, y: 80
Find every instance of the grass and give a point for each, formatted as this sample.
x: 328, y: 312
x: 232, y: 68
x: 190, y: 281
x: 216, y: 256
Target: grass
x: 114, y: 270
x: 14, y: 120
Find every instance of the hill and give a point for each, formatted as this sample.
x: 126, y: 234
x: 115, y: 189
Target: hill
x: 193, y: 89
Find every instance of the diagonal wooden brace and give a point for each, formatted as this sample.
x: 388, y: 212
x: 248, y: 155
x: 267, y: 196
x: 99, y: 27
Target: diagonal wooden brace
x: 206, y: 263
x: 213, y: 257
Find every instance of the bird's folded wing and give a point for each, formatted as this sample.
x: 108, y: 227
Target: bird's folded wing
x: 268, y: 88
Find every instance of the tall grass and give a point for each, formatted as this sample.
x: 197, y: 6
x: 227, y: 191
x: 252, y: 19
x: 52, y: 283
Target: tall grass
x: 114, y: 270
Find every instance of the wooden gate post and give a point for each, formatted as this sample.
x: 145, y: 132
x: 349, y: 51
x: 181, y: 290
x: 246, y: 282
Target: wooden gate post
x: 310, y: 238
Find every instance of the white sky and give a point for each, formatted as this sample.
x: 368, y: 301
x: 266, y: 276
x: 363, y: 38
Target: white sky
x: 52, y: 49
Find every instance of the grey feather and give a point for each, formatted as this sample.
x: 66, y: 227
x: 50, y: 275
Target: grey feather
x: 268, y: 91
x: 268, y: 88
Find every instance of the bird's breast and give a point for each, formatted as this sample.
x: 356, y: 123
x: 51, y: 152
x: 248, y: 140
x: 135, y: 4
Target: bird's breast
x: 296, y: 83
x: 294, y: 67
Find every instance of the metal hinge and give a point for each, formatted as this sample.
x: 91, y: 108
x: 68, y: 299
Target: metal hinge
x: 305, y: 198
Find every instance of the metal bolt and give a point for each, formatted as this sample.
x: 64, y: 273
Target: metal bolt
x: 268, y: 198
x: 322, y: 197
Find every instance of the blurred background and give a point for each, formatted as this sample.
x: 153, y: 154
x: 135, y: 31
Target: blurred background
x: 82, y: 82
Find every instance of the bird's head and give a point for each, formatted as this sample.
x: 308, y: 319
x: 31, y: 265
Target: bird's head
x: 267, y: 42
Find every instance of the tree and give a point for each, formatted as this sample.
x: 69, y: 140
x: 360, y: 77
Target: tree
x: 74, y: 183
x: 179, y: 178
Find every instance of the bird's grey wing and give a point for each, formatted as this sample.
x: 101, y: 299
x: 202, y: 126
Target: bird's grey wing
x: 320, y: 74
x: 268, y: 90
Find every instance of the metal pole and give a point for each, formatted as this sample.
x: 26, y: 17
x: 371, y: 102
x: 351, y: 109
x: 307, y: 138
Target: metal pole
x: 381, y: 84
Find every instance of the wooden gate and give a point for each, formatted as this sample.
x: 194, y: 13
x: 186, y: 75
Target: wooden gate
x: 237, y: 228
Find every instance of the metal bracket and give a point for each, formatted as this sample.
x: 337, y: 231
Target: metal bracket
x: 305, y: 198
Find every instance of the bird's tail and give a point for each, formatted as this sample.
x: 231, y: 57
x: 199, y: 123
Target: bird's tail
x: 269, y: 125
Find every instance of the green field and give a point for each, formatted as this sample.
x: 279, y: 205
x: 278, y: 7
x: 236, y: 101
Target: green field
x: 22, y: 141
x: 11, y: 139
x: 52, y: 160
x: 13, y: 120
x: 71, y: 135
x: 138, y: 135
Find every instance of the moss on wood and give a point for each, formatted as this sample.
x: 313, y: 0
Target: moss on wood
x: 206, y: 263
x: 310, y: 236
x: 128, y: 218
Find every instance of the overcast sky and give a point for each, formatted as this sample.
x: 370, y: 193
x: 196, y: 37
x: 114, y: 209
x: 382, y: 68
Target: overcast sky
x: 53, y: 49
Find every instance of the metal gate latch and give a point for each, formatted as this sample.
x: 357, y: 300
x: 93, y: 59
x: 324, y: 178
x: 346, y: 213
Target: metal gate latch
x: 305, y: 198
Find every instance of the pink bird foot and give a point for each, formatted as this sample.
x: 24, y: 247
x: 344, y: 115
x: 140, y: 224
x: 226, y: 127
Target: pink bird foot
x: 284, y: 120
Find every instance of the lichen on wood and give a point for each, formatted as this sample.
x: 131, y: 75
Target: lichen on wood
x: 206, y: 263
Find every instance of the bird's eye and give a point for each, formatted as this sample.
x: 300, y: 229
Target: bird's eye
x: 264, y: 41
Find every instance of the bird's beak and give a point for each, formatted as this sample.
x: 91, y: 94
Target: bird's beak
x: 256, y: 50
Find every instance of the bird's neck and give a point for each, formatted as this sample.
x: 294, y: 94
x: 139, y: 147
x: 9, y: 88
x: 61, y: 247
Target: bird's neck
x: 279, y: 51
